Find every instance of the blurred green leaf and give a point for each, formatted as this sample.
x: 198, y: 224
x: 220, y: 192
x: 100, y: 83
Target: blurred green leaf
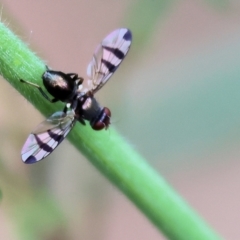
x: 1, y: 195
x: 38, y: 217
x: 143, y: 16
x: 192, y: 103
x: 219, y: 4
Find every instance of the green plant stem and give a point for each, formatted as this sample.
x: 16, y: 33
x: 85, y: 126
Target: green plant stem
x: 109, y: 152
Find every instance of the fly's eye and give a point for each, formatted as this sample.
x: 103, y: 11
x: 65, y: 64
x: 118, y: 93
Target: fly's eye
x: 98, y: 125
x: 103, y: 120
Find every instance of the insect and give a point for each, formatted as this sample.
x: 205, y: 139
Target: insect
x: 62, y: 86
x: 80, y: 104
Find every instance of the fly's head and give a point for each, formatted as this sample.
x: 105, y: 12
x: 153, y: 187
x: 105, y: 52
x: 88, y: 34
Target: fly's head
x: 102, y: 121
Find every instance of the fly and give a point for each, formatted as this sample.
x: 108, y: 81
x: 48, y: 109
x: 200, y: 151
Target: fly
x: 81, y: 104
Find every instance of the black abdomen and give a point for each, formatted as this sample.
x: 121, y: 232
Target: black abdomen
x: 59, y: 85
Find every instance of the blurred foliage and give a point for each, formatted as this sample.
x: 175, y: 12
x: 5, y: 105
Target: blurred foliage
x: 219, y: 4
x: 35, y: 213
x: 143, y: 16
x: 195, y: 111
x: 38, y: 216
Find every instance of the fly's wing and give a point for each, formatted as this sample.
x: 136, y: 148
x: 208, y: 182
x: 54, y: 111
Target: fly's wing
x: 47, y: 136
x: 107, y: 57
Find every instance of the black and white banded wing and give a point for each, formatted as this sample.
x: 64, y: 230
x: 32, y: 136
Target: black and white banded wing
x: 107, y: 57
x: 47, y: 136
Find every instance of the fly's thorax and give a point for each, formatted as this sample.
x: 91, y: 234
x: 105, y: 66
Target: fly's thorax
x: 88, y: 108
x: 59, y: 85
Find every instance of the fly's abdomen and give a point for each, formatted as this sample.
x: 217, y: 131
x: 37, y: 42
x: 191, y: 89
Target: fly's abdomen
x: 59, y: 85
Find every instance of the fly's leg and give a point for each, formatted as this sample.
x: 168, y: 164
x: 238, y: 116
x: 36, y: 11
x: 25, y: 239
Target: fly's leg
x: 67, y: 106
x: 40, y: 90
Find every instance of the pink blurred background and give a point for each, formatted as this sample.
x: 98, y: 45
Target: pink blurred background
x: 179, y: 107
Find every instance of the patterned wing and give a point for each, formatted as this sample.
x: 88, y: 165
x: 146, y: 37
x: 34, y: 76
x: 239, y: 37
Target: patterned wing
x: 47, y: 136
x: 107, y: 57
